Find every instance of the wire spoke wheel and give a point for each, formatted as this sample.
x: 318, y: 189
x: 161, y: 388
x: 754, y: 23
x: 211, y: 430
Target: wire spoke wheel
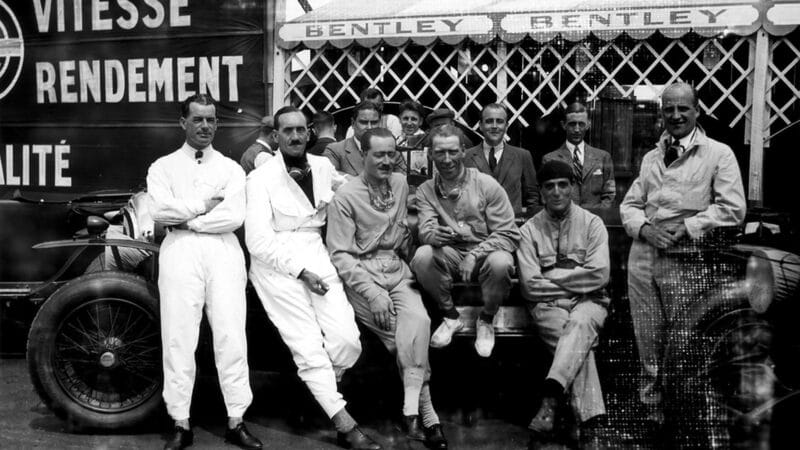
x: 107, y: 355
x: 94, y: 351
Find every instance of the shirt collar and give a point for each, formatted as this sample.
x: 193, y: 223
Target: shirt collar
x: 191, y: 151
x: 264, y: 143
x: 687, y: 140
x: 571, y: 147
x: 497, y: 148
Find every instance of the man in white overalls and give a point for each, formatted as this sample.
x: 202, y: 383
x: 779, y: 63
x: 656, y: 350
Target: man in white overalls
x: 302, y: 294
x: 199, y: 195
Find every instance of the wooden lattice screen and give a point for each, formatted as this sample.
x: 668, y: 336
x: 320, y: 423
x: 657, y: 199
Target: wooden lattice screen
x: 531, y: 78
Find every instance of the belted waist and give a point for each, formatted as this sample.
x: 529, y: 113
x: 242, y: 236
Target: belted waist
x: 381, y: 253
x: 317, y: 230
x: 180, y: 226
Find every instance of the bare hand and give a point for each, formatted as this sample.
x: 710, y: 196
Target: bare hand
x: 467, y: 267
x: 212, y: 203
x: 677, y: 230
x: 656, y: 236
x: 443, y: 236
x: 382, y: 309
x: 313, y: 282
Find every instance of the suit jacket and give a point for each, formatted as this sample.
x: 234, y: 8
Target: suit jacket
x: 598, y: 188
x: 346, y: 158
x: 514, y: 171
x: 248, y: 160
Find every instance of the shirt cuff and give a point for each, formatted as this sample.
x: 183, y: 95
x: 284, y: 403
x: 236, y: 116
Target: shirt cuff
x: 293, y: 268
x: 693, y: 228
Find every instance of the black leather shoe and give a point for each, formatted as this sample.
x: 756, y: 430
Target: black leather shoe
x: 241, y: 437
x: 357, y: 440
x: 434, y: 437
x: 181, y: 438
x: 544, y: 421
x: 413, y: 428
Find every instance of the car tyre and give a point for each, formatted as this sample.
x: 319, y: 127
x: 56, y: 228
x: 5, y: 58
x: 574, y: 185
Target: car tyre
x: 94, y: 351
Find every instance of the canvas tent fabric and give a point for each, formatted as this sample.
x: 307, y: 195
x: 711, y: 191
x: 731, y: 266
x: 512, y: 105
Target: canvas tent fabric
x: 344, y: 22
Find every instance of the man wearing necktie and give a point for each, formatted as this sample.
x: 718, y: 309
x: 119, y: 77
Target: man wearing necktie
x: 511, y: 166
x: 593, y: 167
x: 687, y: 186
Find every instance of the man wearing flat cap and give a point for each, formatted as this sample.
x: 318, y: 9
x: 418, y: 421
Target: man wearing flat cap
x: 564, y: 268
x: 262, y: 149
x: 438, y: 118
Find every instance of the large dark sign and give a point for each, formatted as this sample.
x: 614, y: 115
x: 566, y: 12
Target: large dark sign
x: 90, y: 89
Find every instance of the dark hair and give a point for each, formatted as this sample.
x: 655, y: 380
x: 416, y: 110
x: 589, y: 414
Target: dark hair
x: 447, y: 131
x: 322, y: 119
x: 200, y: 99
x: 366, y: 138
x: 576, y: 108
x: 365, y: 105
x: 494, y: 106
x: 371, y: 93
x: 282, y: 111
x: 411, y: 105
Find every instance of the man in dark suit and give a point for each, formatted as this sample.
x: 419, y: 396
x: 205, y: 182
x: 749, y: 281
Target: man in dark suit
x: 511, y: 166
x: 262, y: 149
x: 325, y: 129
x: 593, y: 167
x: 346, y: 155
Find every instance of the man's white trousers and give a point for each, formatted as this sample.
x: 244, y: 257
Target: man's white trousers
x: 320, y: 330
x: 199, y: 271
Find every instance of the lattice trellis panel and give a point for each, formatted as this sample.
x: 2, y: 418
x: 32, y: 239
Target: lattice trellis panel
x: 531, y: 78
x: 783, y: 87
x: 437, y: 76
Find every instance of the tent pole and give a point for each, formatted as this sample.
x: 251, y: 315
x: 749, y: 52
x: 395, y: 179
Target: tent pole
x: 756, y: 178
x: 278, y: 60
x: 502, y: 75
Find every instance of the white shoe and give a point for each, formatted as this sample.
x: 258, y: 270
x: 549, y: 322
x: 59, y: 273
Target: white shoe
x: 484, y: 343
x: 444, y: 334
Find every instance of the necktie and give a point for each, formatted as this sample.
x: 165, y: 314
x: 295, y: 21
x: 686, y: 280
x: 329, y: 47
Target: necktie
x: 576, y: 165
x: 672, y: 152
x: 492, y: 160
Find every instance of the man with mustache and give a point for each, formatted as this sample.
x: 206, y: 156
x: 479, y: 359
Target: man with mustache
x: 687, y: 186
x: 594, y: 169
x: 511, y: 166
x: 347, y: 155
x: 368, y: 239
x: 564, y: 268
x: 199, y: 195
x: 466, y: 222
x: 287, y: 199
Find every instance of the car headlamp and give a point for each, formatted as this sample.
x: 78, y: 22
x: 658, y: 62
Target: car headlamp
x: 771, y: 276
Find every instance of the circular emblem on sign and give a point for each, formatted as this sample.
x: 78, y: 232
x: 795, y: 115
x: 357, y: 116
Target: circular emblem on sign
x: 12, y: 49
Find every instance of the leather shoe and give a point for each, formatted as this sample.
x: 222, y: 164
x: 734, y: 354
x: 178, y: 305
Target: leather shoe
x: 239, y: 436
x: 544, y: 421
x: 181, y: 438
x: 356, y: 439
x: 413, y: 428
x: 434, y: 437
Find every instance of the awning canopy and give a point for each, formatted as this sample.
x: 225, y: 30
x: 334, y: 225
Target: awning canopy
x: 342, y: 22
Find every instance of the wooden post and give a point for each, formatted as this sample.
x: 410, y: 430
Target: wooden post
x: 502, y: 75
x: 278, y: 59
x: 759, y: 113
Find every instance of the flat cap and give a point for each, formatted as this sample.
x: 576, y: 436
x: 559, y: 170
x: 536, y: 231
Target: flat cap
x: 555, y: 169
x: 440, y: 113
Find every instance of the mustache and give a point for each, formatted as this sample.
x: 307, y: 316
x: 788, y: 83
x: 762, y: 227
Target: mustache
x: 385, y: 166
x: 295, y: 142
